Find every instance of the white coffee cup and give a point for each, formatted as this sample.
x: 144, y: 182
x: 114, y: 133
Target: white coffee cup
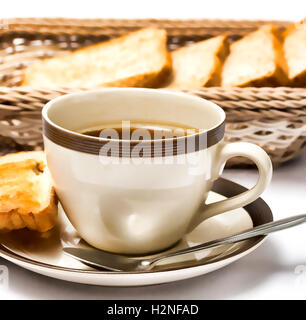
x: 124, y: 203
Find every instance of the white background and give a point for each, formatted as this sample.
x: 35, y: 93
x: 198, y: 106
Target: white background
x: 267, y: 273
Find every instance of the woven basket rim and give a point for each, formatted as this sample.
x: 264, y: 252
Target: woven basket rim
x: 53, y: 24
x: 60, y: 18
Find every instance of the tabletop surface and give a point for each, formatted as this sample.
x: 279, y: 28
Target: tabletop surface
x: 277, y: 269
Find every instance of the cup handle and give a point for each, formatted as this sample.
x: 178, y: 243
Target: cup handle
x: 264, y: 165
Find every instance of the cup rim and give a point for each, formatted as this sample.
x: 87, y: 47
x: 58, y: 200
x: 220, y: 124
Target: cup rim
x: 56, y: 133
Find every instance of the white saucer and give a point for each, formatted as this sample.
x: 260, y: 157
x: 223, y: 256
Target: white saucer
x: 42, y: 253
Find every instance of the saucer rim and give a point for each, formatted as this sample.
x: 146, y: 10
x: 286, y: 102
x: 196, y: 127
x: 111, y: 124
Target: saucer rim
x: 258, y: 211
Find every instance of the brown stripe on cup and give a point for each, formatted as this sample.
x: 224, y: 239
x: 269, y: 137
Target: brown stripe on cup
x: 126, y: 148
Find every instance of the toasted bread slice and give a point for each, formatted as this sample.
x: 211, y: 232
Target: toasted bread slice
x: 27, y: 198
x: 255, y: 60
x: 199, y: 64
x: 294, y: 47
x: 138, y: 59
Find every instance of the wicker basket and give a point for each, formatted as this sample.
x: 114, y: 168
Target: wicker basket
x: 274, y: 118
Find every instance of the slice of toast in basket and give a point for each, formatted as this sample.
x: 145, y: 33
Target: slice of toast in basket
x: 255, y: 60
x: 294, y: 47
x: 198, y: 65
x: 138, y: 59
x: 27, y: 197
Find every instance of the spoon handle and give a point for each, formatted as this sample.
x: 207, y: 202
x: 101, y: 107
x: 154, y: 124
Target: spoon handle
x: 263, y: 229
